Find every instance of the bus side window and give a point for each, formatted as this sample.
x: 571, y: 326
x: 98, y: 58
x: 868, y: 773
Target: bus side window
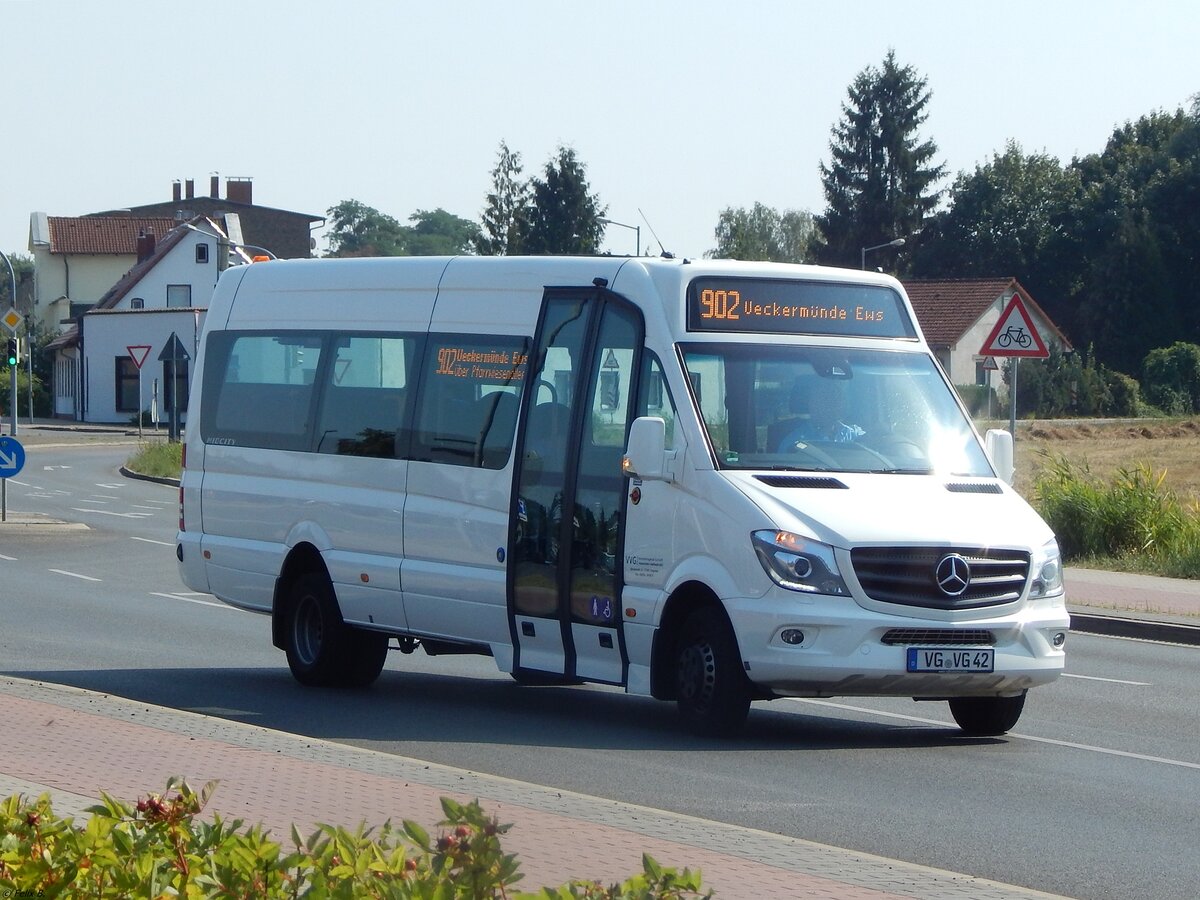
x: 467, y: 399
x: 363, y: 405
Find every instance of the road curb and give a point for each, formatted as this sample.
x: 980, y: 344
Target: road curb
x: 138, y: 476
x: 1118, y: 626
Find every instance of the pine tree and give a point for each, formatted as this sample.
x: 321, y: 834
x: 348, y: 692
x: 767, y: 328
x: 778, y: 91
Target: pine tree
x: 565, y: 215
x: 506, y: 216
x: 879, y: 184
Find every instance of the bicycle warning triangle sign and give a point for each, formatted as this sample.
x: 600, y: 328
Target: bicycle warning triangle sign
x: 1014, y: 334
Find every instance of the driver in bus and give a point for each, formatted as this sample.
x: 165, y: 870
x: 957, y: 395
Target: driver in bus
x: 826, y: 410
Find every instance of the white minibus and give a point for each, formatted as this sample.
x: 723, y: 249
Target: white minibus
x: 705, y: 481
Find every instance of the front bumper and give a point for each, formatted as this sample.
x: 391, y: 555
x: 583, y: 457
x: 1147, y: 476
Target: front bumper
x: 844, y: 653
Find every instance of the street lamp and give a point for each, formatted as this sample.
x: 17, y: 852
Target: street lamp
x: 224, y: 240
x: 636, y: 228
x: 898, y: 242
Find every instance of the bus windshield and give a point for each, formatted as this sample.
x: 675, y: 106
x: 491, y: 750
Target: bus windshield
x: 830, y: 410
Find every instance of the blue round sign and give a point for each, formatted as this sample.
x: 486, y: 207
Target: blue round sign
x: 12, y: 457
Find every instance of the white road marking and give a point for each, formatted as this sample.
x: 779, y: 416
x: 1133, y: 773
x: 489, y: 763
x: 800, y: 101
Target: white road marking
x: 1109, y: 680
x: 187, y: 599
x: 150, y: 541
x: 1012, y: 734
x: 74, y: 575
x: 108, y: 512
x: 110, y: 487
x: 9, y: 558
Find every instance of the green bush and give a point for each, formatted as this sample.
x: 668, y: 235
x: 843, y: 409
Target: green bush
x: 1122, y: 396
x: 1171, y: 376
x: 1132, y: 521
x: 1073, y: 384
x: 41, y: 397
x: 161, y: 848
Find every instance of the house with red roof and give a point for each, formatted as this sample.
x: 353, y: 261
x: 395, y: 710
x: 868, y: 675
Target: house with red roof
x: 111, y: 360
x: 101, y: 281
x: 957, y: 316
x: 76, y: 259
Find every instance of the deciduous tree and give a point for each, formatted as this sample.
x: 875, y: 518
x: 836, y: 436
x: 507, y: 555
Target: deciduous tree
x: 1013, y: 215
x: 764, y: 233
x: 361, y: 230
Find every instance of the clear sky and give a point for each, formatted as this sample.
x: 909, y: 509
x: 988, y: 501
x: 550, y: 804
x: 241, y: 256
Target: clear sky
x: 678, y: 109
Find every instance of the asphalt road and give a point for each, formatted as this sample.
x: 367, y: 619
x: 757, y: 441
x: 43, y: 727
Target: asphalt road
x: 1093, y: 796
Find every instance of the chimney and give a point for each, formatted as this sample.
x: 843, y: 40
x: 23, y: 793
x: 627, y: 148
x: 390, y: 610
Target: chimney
x: 214, y: 187
x: 191, y: 188
x: 239, y: 190
x: 145, y: 245
x: 176, y: 191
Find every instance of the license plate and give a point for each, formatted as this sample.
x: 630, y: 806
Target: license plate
x: 950, y: 659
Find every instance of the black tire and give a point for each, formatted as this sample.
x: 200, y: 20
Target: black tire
x: 987, y: 716
x: 712, y: 691
x: 322, y: 651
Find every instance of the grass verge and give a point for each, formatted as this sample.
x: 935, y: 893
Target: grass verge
x: 158, y: 459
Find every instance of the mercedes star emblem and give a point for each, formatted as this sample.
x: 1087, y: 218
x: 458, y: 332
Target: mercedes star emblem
x: 953, y: 574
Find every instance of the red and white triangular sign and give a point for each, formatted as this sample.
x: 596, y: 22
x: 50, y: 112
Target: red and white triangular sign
x: 1014, y: 334
x: 138, y: 353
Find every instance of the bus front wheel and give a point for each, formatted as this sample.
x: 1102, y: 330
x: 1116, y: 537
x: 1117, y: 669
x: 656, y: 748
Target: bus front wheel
x: 987, y: 716
x: 712, y: 692
x: 322, y: 651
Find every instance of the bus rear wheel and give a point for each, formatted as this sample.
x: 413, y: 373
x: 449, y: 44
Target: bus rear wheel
x: 322, y: 651
x: 712, y: 692
x: 987, y: 716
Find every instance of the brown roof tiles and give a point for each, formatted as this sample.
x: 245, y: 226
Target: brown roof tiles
x: 115, y: 235
x: 948, y: 307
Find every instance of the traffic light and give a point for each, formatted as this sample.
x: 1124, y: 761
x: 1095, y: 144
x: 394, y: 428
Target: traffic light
x: 14, y: 352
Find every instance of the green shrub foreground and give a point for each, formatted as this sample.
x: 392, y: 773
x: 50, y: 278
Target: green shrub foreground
x: 161, y: 848
x: 1132, y: 521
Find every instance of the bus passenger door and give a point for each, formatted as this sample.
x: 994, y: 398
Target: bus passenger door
x: 569, y: 499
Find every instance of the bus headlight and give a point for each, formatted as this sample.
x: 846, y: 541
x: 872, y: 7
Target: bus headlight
x: 1046, y: 567
x: 799, y: 564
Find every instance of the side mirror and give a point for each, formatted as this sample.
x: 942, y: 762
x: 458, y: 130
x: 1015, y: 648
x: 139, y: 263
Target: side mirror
x: 999, y: 446
x: 646, y: 455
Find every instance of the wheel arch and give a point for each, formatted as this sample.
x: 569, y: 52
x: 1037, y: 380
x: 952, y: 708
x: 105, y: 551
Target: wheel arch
x: 686, y: 598
x: 302, y: 558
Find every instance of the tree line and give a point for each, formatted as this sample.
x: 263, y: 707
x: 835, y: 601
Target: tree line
x: 554, y: 213
x: 1107, y: 242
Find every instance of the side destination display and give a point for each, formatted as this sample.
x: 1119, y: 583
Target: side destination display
x: 796, y: 307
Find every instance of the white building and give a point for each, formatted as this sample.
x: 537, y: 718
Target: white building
x: 166, y: 292
x: 76, y: 259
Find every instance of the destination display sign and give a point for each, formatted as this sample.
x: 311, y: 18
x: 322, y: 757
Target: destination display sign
x: 773, y: 306
x: 492, y: 363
